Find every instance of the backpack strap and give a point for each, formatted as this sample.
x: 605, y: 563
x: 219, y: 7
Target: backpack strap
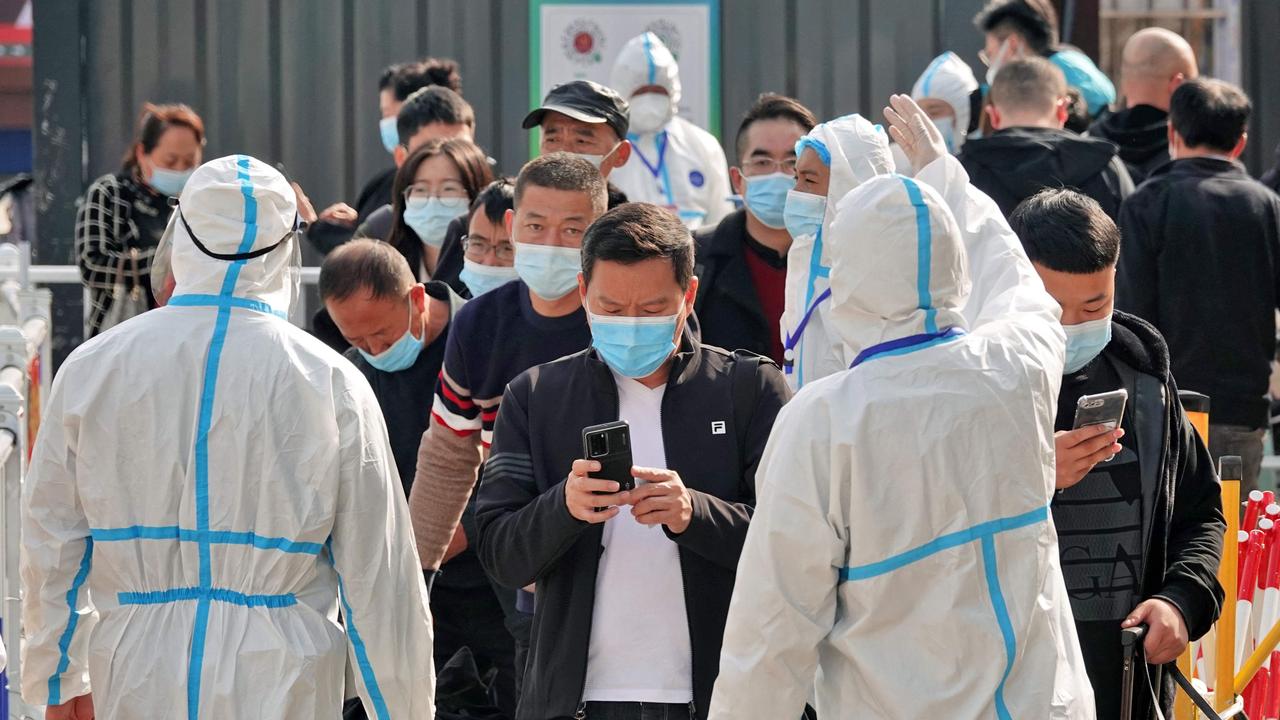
x: 743, y: 373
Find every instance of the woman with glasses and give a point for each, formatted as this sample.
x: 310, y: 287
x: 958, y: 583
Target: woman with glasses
x: 436, y: 184
x: 488, y: 255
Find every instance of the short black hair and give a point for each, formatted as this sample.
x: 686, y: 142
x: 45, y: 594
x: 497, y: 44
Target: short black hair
x: 432, y: 104
x: 563, y: 171
x: 365, y: 265
x: 1035, y: 20
x: 1066, y: 231
x: 387, y: 80
x: 412, y: 77
x: 1029, y: 84
x: 495, y: 199
x: 1209, y: 113
x: 638, y: 231
x: 772, y: 106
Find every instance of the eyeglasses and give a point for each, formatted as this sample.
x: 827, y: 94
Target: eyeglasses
x: 765, y: 166
x: 447, y: 189
x: 477, y: 248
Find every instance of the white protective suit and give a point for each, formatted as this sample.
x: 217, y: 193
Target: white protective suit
x: 855, y: 151
x: 680, y: 165
x: 209, y: 484
x: 902, y: 543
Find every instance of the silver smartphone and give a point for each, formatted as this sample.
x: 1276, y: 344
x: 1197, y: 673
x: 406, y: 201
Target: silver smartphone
x: 1102, y: 409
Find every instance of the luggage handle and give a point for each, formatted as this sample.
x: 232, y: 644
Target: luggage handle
x: 1130, y: 642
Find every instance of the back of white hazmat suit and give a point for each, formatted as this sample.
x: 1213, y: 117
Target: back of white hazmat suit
x: 209, y: 484
x: 855, y: 151
x: 673, y: 163
x: 902, y: 543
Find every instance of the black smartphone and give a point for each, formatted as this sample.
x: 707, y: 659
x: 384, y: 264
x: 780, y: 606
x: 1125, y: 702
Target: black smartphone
x: 610, y: 445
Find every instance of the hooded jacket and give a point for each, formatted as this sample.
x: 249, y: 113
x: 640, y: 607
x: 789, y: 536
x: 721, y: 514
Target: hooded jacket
x: 950, y: 79
x: 907, y: 492
x: 1142, y: 134
x: 1016, y: 163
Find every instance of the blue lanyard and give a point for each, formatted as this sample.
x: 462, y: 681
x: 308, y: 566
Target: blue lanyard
x: 906, y: 345
x: 655, y: 169
x: 793, y: 339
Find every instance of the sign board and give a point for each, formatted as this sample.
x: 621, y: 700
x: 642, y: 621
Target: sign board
x: 579, y: 40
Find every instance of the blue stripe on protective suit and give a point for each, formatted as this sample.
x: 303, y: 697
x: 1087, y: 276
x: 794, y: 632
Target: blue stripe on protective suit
x: 648, y: 58
x: 357, y: 644
x: 73, y: 619
x: 984, y: 533
x: 223, y: 595
x: 207, y: 393
x: 213, y: 537
x: 221, y: 300
x: 931, y: 71
x: 924, y: 254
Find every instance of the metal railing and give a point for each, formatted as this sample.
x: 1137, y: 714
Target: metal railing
x: 25, y: 324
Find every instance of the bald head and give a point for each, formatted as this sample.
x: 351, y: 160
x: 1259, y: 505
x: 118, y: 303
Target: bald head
x: 1155, y: 62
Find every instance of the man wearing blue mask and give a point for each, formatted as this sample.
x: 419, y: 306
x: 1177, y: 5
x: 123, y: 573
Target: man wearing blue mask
x: 398, y: 329
x: 1139, y: 522
x: 633, y: 586
x: 743, y: 260
x: 499, y: 335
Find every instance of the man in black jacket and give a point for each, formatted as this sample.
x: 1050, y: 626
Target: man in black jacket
x: 1201, y: 262
x: 633, y: 586
x: 1140, y: 525
x: 1031, y: 151
x: 1154, y: 63
x: 398, y: 330
x: 742, y: 261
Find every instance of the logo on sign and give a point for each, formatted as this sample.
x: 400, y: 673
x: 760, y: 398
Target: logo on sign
x: 696, y: 179
x: 582, y: 42
x: 668, y: 33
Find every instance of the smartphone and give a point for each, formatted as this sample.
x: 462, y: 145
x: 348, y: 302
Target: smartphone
x: 610, y: 445
x: 1101, y: 409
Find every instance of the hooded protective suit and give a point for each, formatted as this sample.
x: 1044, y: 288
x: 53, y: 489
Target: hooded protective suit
x: 674, y: 163
x: 209, y: 484
x: 950, y: 79
x: 902, y: 543
x: 855, y: 151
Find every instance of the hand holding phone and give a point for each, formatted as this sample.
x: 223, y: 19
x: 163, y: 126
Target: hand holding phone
x: 591, y: 500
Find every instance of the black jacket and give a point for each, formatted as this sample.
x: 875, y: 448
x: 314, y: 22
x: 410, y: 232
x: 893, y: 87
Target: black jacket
x: 1016, y: 163
x: 728, y: 307
x: 326, y: 236
x: 1182, y: 523
x: 1271, y: 178
x: 1142, y: 133
x: 1200, y: 260
x: 527, y: 534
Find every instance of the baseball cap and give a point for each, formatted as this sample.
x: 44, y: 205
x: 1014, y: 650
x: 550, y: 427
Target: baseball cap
x: 584, y: 100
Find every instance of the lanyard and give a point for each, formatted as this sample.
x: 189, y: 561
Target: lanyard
x: 655, y: 169
x: 906, y: 345
x: 793, y: 339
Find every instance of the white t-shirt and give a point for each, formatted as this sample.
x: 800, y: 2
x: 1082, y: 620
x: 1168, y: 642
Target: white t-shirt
x: 639, y: 649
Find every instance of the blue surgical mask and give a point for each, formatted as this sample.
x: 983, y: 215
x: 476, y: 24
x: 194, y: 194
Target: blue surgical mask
x: 402, y: 354
x: 947, y: 126
x: 767, y: 197
x: 430, y: 217
x: 480, y: 279
x: 804, y: 213
x: 390, y: 136
x: 1085, y: 342
x: 634, y: 346
x: 169, y: 182
x: 550, y: 272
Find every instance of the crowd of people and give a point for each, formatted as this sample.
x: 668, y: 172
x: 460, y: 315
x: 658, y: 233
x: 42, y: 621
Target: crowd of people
x: 847, y: 361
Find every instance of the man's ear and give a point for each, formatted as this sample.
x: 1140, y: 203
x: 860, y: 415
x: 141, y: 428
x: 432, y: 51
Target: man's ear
x: 616, y: 158
x: 1175, y: 141
x: 1239, y: 148
x: 508, y: 220
x: 736, y: 180
x: 993, y: 114
x: 690, y: 296
x: 1063, y: 112
x: 401, y: 153
x: 582, y: 288
x: 418, y: 296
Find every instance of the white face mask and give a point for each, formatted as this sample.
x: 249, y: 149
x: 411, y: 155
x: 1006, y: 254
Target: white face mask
x: 596, y: 160
x: 650, y: 112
